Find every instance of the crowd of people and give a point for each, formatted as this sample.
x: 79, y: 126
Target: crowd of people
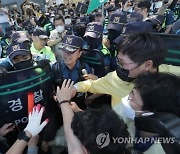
x: 132, y: 72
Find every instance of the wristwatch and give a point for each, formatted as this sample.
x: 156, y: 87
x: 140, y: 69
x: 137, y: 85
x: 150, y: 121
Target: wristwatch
x: 22, y: 136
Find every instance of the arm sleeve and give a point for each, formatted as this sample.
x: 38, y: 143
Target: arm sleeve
x: 170, y: 18
x: 100, y: 86
x: 169, y: 69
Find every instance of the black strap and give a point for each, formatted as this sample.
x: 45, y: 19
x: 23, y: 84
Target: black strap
x: 64, y: 101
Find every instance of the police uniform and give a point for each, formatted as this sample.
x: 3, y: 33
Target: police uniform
x: 60, y: 70
x: 95, y: 30
x: 116, y: 23
x: 19, y: 42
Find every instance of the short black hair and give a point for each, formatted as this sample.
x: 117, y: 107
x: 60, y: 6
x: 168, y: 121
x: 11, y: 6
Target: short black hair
x: 143, y: 47
x: 144, y: 4
x: 59, y: 17
x: 160, y: 92
x: 87, y: 125
x: 106, y: 3
x: 61, y: 5
x: 73, y: 4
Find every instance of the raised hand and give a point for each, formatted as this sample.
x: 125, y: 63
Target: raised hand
x: 34, y: 125
x: 65, y: 92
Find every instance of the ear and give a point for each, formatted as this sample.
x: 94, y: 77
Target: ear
x: 145, y: 10
x: 148, y: 65
x: 80, y: 53
x: 32, y: 36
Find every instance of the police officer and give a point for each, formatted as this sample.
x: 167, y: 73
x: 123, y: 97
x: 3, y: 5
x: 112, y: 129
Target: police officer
x: 18, y: 54
x: 93, y: 40
x: 115, y: 27
x: 80, y: 26
x: 71, y: 67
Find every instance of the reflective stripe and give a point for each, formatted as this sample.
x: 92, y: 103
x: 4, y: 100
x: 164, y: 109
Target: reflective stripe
x: 105, y: 50
x: 25, y: 88
x: 21, y: 82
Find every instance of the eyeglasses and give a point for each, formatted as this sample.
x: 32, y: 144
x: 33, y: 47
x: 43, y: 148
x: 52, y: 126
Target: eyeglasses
x: 118, y: 62
x: 122, y: 66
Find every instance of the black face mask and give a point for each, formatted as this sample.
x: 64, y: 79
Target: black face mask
x: 112, y: 35
x: 24, y: 64
x: 93, y: 43
x: 80, y: 32
x: 113, y: 48
x: 123, y: 74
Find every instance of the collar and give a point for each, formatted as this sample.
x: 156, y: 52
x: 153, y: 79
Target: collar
x: 39, y: 51
x: 77, y: 65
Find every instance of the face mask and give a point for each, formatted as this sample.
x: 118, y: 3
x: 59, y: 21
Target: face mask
x: 24, y: 64
x: 113, y: 48
x: 60, y: 29
x: 93, y: 43
x: 80, y: 32
x: 52, y: 20
x: 127, y: 109
x: 67, y: 21
x: 123, y: 74
x: 131, y: 113
x: 112, y: 35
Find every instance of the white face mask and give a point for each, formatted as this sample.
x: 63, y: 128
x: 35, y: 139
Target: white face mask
x: 131, y: 113
x: 127, y: 109
x: 60, y: 29
x: 67, y: 21
x: 52, y: 20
